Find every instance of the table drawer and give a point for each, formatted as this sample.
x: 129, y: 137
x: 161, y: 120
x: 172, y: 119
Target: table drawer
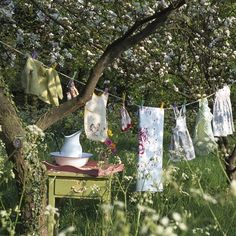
x: 86, y: 188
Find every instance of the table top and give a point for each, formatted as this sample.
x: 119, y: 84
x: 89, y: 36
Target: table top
x: 91, y: 169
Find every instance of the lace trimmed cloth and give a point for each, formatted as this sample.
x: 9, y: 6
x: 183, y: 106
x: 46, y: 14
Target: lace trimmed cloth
x: 222, y: 113
x: 181, y: 146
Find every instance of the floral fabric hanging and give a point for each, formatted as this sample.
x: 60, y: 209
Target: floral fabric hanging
x: 95, y: 122
x: 151, y: 124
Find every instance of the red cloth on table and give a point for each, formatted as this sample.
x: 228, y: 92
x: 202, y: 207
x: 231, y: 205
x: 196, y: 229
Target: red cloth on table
x: 91, y: 168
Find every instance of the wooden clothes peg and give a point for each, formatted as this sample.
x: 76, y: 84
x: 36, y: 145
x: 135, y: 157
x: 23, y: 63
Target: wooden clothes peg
x: 54, y: 65
x: 162, y: 105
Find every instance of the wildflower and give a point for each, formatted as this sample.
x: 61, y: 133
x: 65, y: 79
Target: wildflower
x: 68, y: 230
x: 165, y: 221
x: 176, y: 216
x: 109, y: 133
x: 51, y: 210
x: 108, y: 142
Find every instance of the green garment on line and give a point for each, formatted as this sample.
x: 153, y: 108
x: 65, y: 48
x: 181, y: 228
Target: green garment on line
x: 42, y: 82
x: 204, y: 141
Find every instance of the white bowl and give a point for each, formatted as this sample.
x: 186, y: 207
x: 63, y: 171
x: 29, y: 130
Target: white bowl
x: 72, y: 161
x: 76, y: 162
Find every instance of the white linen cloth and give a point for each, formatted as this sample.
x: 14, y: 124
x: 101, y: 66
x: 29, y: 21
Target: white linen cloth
x: 222, y: 113
x: 95, y: 122
x: 151, y: 125
x: 181, y: 146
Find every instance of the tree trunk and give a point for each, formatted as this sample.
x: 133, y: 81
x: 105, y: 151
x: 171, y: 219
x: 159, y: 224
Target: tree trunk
x: 29, y: 171
x: 231, y: 165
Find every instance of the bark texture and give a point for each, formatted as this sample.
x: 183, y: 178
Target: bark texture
x: 231, y: 165
x: 29, y: 172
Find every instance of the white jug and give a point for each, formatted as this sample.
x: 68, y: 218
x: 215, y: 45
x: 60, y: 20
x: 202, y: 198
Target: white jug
x: 72, y: 146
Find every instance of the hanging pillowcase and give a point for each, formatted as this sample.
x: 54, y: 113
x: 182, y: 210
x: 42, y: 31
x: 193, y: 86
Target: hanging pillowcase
x: 125, y: 119
x: 151, y: 124
x: 204, y: 141
x: 222, y: 113
x: 95, y: 122
x: 181, y: 147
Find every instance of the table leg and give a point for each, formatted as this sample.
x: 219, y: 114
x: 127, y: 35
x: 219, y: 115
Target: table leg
x: 51, y: 202
x: 106, y: 222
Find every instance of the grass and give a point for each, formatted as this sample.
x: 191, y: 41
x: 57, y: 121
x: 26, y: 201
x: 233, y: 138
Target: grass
x: 196, y: 190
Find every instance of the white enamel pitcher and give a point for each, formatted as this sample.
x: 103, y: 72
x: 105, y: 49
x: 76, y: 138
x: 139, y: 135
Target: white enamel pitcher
x: 72, y: 146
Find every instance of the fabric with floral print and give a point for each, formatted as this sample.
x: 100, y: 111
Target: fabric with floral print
x: 95, y: 122
x: 151, y: 125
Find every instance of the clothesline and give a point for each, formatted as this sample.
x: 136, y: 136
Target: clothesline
x: 97, y: 89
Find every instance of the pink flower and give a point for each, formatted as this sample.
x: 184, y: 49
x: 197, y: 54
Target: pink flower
x: 108, y: 142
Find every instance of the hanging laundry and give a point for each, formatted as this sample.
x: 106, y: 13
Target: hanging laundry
x: 125, y: 119
x: 204, y: 141
x: 73, y: 92
x: 95, y: 118
x: 222, y: 113
x: 54, y: 86
x: 42, y: 82
x: 151, y: 126
x: 181, y: 146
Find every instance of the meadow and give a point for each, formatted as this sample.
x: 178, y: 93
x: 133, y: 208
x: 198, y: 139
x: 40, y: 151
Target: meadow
x: 197, y: 200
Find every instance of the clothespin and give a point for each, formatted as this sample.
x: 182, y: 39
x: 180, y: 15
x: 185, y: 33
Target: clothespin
x: 123, y: 98
x: 75, y: 73
x: 106, y: 91
x: 162, y: 105
x: 142, y: 102
x: 34, y: 54
x: 54, y: 65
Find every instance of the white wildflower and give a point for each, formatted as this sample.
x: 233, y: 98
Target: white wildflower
x: 176, y: 216
x: 164, y: 221
x: 182, y: 226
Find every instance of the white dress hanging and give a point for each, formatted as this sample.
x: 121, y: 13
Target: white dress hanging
x: 181, y: 146
x: 95, y: 122
x: 222, y: 113
x: 204, y: 141
x: 151, y: 126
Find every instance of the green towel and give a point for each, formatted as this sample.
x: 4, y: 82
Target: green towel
x: 42, y: 82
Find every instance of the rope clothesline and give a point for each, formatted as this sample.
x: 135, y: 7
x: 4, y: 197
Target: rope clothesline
x: 97, y: 89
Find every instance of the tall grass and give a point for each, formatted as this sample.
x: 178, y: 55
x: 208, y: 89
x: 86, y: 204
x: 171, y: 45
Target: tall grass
x: 196, y: 199
x: 197, y: 191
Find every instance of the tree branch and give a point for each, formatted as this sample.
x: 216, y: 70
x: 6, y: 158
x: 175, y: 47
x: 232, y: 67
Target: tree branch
x: 112, y: 52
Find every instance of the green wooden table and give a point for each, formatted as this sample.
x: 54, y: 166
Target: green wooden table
x: 79, y: 186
